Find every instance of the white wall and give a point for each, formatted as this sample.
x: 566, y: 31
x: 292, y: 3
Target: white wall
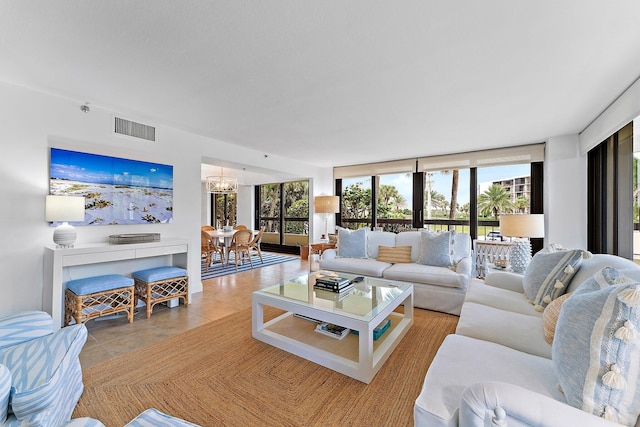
x: 565, y: 192
x: 32, y: 122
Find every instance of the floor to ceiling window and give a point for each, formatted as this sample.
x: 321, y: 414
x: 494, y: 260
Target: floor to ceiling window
x: 224, y: 208
x: 356, y: 202
x: 395, y: 201
x: 612, y: 195
x: 465, y: 192
x: 283, y: 210
x: 446, y: 199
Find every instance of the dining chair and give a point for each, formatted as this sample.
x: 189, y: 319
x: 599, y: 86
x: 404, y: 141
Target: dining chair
x: 254, y: 244
x: 240, y: 227
x: 240, y: 246
x: 209, y: 248
x: 207, y: 228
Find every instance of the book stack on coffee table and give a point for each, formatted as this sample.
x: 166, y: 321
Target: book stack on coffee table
x: 332, y: 288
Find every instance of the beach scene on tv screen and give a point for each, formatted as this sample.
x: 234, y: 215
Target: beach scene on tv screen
x: 116, y: 190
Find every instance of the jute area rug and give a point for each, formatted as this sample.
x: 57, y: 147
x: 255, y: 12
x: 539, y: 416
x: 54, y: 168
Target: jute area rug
x: 219, y: 375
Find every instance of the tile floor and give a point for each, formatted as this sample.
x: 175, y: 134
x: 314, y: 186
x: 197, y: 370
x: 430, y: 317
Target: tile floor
x: 220, y: 297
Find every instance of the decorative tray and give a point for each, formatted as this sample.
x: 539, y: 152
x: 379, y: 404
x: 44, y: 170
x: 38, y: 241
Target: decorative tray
x: 119, y: 239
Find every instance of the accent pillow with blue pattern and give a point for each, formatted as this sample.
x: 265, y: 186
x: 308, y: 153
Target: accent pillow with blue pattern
x: 352, y: 244
x: 595, y: 351
x: 548, y: 275
x: 436, y: 249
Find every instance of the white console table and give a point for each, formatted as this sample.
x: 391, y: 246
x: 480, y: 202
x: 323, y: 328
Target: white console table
x: 92, y: 259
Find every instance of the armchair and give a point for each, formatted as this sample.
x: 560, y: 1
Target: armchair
x: 45, y: 376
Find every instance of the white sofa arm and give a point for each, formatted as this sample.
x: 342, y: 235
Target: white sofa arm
x: 505, y: 280
x: 465, y: 266
x: 329, y: 254
x: 522, y: 407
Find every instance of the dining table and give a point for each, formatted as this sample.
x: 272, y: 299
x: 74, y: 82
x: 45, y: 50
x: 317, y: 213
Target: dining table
x: 227, y: 236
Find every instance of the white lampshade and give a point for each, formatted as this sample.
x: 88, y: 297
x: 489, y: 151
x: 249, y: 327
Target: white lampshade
x: 524, y: 226
x: 327, y: 204
x: 519, y: 225
x: 64, y: 209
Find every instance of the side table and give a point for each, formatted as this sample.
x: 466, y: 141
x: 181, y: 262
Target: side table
x: 318, y: 248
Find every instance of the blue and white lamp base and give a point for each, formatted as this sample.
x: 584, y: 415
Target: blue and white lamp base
x: 520, y: 255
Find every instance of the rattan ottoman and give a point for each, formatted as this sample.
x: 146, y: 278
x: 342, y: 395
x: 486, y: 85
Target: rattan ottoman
x: 92, y: 297
x: 159, y: 284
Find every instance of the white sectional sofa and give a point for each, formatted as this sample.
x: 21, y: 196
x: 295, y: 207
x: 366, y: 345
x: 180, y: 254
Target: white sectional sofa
x: 497, y: 369
x: 438, y: 288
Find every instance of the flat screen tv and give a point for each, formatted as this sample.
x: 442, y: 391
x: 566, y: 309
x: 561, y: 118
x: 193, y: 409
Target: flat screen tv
x: 116, y: 191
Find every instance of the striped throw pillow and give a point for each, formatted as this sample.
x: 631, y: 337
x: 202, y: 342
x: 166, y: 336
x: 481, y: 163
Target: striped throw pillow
x: 595, y: 350
x: 394, y: 254
x: 548, y: 275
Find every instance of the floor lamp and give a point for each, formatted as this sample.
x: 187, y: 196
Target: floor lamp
x: 522, y: 227
x: 327, y: 205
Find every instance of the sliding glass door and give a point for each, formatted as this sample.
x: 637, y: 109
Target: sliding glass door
x: 283, y: 209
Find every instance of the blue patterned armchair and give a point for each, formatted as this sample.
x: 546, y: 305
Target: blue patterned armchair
x: 40, y: 373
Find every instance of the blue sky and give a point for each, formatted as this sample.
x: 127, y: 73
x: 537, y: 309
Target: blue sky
x: 93, y: 168
x: 442, y: 182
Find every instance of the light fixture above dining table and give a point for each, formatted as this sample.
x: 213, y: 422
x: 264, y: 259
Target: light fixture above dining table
x: 222, y: 184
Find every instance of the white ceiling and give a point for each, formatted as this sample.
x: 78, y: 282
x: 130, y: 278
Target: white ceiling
x: 343, y: 82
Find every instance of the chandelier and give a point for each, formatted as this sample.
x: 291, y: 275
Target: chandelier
x: 222, y: 184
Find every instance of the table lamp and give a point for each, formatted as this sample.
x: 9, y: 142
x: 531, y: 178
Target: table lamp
x: 523, y: 227
x: 327, y: 205
x: 64, y: 209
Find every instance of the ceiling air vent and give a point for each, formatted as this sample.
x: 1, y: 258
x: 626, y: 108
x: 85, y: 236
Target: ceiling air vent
x: 137, y: 130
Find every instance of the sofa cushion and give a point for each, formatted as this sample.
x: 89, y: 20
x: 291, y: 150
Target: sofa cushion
x: 352, y: 244
x: 35, y: 365
x: 428, y: 274
x: 359, y: 266
x: 375, y: 239
x: 5, y: 391
x: 595, y: 350
x: 548, y: 275
x: 514, y: 330
x: 550, y: 316
x: 462, y: 361
x: 436, y: 248
x: 501, y: 298
x: 394, y: 254
x: 410, y: 238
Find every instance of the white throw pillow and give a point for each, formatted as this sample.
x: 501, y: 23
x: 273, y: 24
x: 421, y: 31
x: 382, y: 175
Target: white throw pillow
x: 595, y: 350
x: 436, y: 249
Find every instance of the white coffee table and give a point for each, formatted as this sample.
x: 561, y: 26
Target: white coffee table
x: 368, y: 304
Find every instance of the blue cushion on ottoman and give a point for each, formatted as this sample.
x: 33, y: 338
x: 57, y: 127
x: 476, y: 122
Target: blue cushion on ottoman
x: 159, y: 273
x: 91, y: 285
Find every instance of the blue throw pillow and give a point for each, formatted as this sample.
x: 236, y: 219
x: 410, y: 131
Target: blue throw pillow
x: 352, y: 244
x: 548, y: 275
x: 436, y: 248
x: 595, y: 350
